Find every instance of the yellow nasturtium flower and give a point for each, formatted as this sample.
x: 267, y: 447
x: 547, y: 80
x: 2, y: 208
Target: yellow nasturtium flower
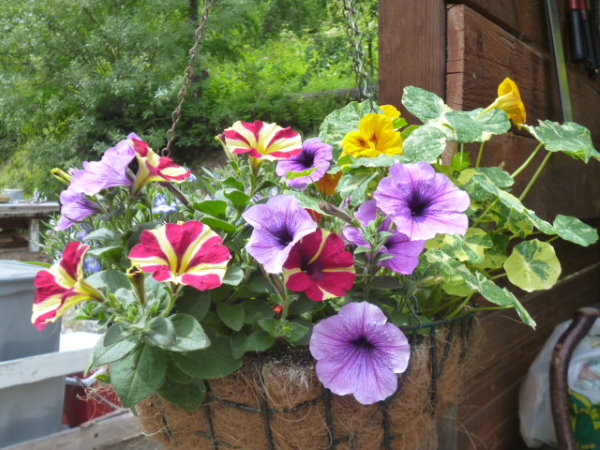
x: 391, y: 111
x: 375, y: 136
x: 509, y: 100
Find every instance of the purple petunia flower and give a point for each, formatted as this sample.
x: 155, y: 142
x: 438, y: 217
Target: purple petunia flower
x: 421, y: 202
x: 110, y: 171
x: 160, y: 205
x: 278, y: 225
x: 359, y: 352
x: 314, y: 155
x: 75, y: 207
x: 405, y: 253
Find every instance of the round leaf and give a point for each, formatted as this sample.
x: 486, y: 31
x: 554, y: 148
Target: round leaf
x: 533, y: 266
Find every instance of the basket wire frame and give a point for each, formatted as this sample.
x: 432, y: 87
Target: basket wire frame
x: 436, y: 369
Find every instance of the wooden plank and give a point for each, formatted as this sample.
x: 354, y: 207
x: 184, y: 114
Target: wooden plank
x: 35, y: 368
x: 523, y: 19
x: 481, y: 54
x: 96, y: 434
x: 28, y: 210
x: 412, y: 47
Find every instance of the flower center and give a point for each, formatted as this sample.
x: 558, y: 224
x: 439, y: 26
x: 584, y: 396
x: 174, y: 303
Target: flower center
x: 363, y: 343
x: 314, y: 270
x: 284, y: 236
x: 418, y: 205
x: 306, y: 159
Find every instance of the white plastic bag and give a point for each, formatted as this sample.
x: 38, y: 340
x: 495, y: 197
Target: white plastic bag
x: 535, y: 413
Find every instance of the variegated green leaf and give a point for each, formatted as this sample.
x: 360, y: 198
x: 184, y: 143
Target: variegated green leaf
x: 574, y: 230
x: 569, y: 137
x: 424, y: 144
x: 533, y: 266
x: 423, y: 104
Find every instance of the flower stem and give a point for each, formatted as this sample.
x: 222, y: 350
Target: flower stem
x: 536, y: 175
x: 459, y: 308
x: 480, y: 154
x: 483, y: 214
x: 527, y: 161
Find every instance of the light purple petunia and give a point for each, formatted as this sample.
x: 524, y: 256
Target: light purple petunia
x: 359, y: 352
x: 405, y: 253
x: 421, y: 202
x: 314, y: 155
x: 278, y: 225
x: 110, y: 171
x: 75, y: 207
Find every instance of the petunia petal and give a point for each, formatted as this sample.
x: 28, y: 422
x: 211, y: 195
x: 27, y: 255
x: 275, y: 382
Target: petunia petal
x: 189, y: 253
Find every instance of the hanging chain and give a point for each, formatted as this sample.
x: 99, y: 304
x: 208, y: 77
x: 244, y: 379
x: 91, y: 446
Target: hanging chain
x: 188, y: 74
x: 355, y: 37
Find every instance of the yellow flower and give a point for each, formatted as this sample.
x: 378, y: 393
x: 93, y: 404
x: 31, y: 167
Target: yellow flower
x: 375, y: 136
x: 391, y: 111
x: 509, y: 100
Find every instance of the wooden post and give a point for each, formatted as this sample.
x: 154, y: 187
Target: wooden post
x: 412, y: 47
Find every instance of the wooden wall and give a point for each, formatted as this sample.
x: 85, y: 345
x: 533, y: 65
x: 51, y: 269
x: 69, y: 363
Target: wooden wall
x: 462, y: 50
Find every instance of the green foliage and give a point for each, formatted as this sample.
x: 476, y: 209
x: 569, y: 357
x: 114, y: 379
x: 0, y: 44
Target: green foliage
x: 569, y: 137
x: 77, y: 76
x: 533, y: 265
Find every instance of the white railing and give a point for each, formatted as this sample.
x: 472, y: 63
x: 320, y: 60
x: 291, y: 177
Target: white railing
x: 111, y: 429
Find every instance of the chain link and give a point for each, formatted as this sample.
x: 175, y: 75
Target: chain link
x: 188, y: 74
x: 355, y: 37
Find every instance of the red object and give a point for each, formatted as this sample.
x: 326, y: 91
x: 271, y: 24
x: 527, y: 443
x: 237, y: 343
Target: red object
x: 314, y: 215
x: 81, y: 405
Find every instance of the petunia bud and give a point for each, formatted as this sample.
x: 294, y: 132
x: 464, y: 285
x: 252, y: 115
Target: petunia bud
x: 61, y: 175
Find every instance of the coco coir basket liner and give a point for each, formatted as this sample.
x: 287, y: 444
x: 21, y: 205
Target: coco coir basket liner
x: 277, y: 402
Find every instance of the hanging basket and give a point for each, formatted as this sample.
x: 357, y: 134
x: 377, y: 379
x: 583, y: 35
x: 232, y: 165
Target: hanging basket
x: 277, y: 402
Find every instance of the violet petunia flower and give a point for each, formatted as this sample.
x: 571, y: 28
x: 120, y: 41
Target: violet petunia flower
x: 315, y: 155
x: 160, y: 205
x: 112, y: 170
x: 405, y: 253
x: 278, y: 225
x: 75, y: 207
x: 91, y: 264
x: 421, y: 202
x: 359, y: 352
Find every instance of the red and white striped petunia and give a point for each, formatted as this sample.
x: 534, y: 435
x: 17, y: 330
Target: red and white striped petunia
x: 262, y: 140
x: 320, y: 266
x: 188, y: 253
x: 62, y: 286
x: 153, y: 167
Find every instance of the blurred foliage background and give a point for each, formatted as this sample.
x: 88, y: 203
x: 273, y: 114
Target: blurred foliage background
x: 76, y: 76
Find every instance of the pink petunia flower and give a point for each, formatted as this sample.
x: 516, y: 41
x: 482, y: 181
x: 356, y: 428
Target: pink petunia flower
x: 62, y: 287
x: 262, y: 140
x: 153, y: 167
x: 320, y: 266
x: 189, y: 253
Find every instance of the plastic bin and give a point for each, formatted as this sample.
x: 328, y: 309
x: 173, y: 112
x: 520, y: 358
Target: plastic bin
x: 30, y: 410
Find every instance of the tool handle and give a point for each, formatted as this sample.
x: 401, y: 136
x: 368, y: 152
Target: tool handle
x: 576, y: 30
